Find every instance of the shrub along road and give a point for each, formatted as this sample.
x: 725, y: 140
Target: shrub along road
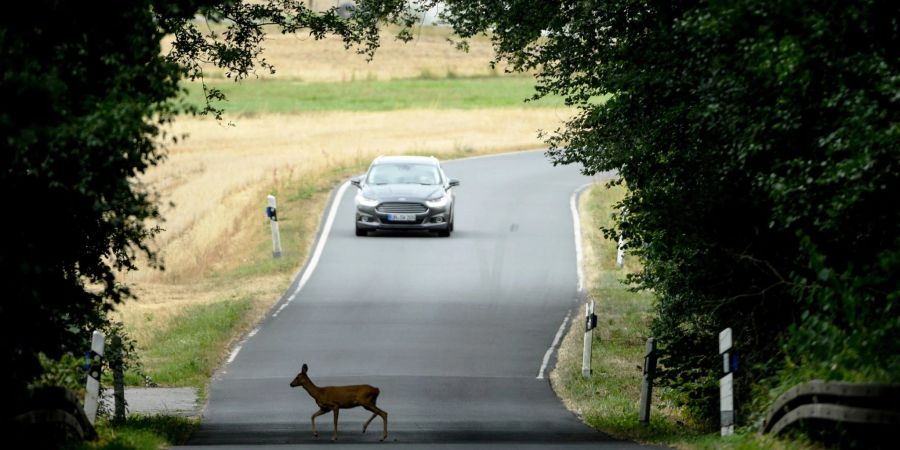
x: 453, y: 331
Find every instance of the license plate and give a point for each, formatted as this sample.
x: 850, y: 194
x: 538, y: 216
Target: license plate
x: 402, y: 217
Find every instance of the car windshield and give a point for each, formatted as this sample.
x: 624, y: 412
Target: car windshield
x: 403, y: 174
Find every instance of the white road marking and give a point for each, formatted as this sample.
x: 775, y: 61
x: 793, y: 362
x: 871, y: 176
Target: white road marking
x: 320, y: 246
x: 576, y: 222
x: 492, y: 155
x: 233, y: 354
x: 559, y: 333
x: 237, y: 349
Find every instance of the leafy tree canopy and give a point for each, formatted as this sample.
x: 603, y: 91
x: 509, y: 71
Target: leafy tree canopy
x: 85, y: 95
x: 759, y: 142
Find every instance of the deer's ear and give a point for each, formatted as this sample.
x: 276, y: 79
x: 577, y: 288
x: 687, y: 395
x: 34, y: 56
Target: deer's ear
x: 303, y: 369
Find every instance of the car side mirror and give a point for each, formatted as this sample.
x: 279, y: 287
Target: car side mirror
x: 355, y: 181
x: 454, y: 182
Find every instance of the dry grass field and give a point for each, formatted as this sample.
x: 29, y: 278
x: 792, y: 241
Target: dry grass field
x: 429, y: 54
x: 216, y: 245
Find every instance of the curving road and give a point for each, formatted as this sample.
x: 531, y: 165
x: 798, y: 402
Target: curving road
x: 454, y: 331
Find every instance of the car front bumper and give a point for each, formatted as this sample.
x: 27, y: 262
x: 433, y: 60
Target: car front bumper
x: 371, y: 218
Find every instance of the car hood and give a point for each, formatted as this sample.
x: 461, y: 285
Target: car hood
x: 401, y: 192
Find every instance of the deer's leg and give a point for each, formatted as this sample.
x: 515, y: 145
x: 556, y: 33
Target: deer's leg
x: 334, y: 437
x: 374, y: 415
x: 316, y: 414
x: 376, y: 411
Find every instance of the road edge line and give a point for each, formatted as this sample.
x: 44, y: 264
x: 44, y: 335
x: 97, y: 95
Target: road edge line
x: 576, y: 224
x: 320, y: 247
x: 553, y: 345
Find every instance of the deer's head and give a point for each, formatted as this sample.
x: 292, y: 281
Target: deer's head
x: 301, y: 379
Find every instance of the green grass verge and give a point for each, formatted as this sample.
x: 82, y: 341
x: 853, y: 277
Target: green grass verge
x: 286, y: 96
x: 609, y: 400
x: 295, y: 199
x: 142, y: 433
x: 187, y: 352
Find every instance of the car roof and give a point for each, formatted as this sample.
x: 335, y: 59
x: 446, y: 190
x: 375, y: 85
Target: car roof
x: 406, y: 160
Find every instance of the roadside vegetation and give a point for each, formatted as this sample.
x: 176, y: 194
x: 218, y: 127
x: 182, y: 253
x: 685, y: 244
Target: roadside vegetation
x: 609, y: 399
x: 142, y: 433
x: 187, y: 351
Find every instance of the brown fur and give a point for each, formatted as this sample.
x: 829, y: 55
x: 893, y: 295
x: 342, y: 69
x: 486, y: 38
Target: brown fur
x: 335, y: 398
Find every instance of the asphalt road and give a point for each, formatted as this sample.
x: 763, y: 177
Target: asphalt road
x: 452, y: 330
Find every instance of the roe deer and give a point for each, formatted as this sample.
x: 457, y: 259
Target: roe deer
x: 333, y: 398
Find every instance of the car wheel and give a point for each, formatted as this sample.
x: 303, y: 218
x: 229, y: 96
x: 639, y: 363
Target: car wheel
x: 361, y: 232
x: 451, y: 225
x: 444, y: 233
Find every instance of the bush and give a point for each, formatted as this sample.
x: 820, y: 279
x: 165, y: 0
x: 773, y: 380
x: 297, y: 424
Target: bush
x: 758, y: 141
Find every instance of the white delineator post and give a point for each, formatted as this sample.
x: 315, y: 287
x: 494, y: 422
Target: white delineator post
x: 620, y: 255
x: 272, y: 214
x: 95, y: 361
x: 726, y: 384
x: 590, y: 322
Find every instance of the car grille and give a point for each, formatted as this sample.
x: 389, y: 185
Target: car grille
x: 400, y: 208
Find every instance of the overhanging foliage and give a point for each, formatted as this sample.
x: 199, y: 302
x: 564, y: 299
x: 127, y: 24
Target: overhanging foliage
x: 85, y: 97
x: 759, y: 142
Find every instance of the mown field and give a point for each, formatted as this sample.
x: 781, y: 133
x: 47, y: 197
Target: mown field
x: 324, y: 116
x: 429, y: 55
x: 291, y: 97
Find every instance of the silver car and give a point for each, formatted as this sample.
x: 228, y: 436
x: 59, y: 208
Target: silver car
x: 404, y: 193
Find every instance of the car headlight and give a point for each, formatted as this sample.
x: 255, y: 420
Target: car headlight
x: 362, y: 200
x: 438, y: 202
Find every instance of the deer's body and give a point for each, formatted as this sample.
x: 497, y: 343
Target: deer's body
x: 335, y: 398
x: 331, y: 397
